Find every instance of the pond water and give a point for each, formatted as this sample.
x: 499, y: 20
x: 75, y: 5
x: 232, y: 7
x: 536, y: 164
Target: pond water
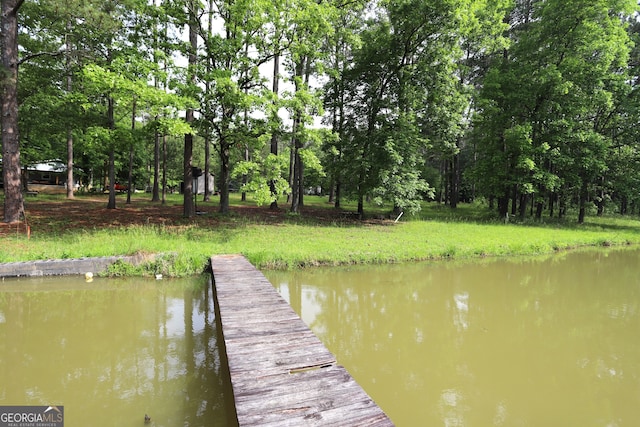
x: 550, y: 341
x: 112, y: 350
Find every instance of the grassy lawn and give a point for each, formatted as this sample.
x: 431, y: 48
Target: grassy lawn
x: 319, y: 236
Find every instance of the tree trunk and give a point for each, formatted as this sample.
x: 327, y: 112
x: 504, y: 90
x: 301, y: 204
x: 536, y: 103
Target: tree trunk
x: 292, y: 163
x: 532, y: 198
x: 155, y: 191
x: 189, y: 208
x: 523, y: 206
x: 131, y: 152
x: 300, y: 181
x: 245, y: 178
x: 207, y: 138
x: 207, y: 169
x: 332, y: 189
x: 70, y: 180
x: 503, y: 204
x: 601, y: 197
x: 13, y: 201
x: 164, y: 169
x: 539, y: 209
x: 112, y: 155
x: 243, y: 197
x: 455, y: 181
x: 274, y: 136
x: 295, y: 184
x: 444, y: 192
x: 112, y: 179
x: 583, y: 203
x: 224, y: 177
x: 130, y: 176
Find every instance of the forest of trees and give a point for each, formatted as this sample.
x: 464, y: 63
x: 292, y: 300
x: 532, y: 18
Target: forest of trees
x: 532, y: 105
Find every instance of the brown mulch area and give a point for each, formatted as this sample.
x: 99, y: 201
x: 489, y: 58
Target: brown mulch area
x: 92, y: 213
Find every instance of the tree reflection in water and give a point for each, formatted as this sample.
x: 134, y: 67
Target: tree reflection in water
x: 113, y: 350
x: 544, y: 341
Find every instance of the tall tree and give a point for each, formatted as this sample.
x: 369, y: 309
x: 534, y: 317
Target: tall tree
x: 446, y: 116
x: 11, y: 172
x: 235, y: 82
x: 311, y: 24
x: 193, y: 17
x: 399, y: 64
x: 275, y: 42
x: 340, y: 46
x: 68, y: 59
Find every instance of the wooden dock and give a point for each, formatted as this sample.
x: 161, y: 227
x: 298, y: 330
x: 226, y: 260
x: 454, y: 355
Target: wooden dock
x: 282, y: 375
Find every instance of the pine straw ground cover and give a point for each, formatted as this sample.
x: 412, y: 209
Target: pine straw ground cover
x: 320, y: 235
x: 52, y: 215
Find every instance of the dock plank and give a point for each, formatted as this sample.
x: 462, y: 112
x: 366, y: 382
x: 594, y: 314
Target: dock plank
x: 281, y: 373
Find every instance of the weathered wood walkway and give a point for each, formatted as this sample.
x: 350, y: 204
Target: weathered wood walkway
x: 282, y: 375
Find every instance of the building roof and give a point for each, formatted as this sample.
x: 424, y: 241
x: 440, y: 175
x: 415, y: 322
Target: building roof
x: 48, y: 166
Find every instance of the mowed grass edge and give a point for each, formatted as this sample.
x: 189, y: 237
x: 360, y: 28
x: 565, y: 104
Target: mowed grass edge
x: 438, y: 234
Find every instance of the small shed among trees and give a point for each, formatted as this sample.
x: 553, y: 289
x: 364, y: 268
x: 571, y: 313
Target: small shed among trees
x: 52, y: 172
x: 199, y: 184
x: 46, y: 177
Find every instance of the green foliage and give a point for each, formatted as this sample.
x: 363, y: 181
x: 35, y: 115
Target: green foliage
x: 504, y: 100
x: 264, y: 180
x: 547, y: 107
x: 163, y: 265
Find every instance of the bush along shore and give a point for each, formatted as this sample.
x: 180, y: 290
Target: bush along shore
x: 320, y: 236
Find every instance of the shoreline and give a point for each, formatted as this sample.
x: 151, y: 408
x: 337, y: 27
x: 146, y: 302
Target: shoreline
x: 67, y: 267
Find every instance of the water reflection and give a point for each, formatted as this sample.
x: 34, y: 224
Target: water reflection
x: 113, y: 350
x: 527, y: 342
x: 461, y: 310
x: 452, y: 408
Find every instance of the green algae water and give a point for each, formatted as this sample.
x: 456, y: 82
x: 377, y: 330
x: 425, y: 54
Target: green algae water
x: 111, y: 351
x: 551, y: 341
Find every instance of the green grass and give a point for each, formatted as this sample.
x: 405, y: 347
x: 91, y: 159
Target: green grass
x: 438, y: 233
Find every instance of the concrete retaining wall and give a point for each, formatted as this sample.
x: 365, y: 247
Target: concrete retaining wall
x: 60, y: 267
